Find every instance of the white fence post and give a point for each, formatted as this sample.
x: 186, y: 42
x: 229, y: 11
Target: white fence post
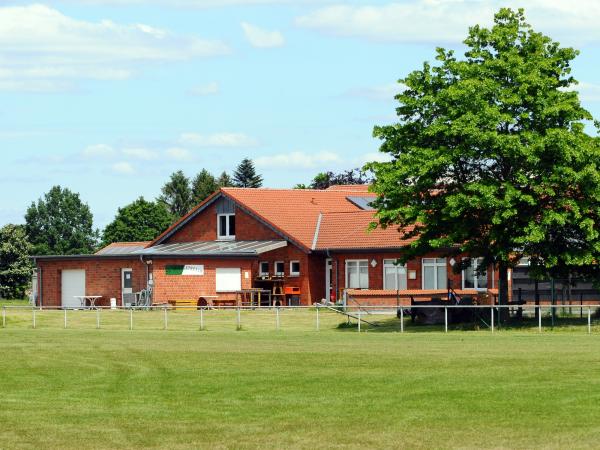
x: 589, y: 320
x: 65, y: 318
x: 277, y: 317
x: 401, y: 319
x: 317, y: 318
x: 131, y: 318
x: 98, y: 318
x: 239, y: 319
x: 492, y: 308
x: 358, y: 315
x: 201, y: 319
x: 540, y: 318
x: 166, y: 319
x: 33, y: 317
x: 4, y: 317
x: 446, y: 318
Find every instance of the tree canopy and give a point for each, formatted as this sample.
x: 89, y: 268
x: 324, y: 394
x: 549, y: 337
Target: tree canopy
x: 323, y: 180
x: 177, y: 195
x: 139, y: 221
x: 490, y: 155
x: 60, y: 224
x: 245, y: 175
x: 203, y: 185
x: 15, y: 266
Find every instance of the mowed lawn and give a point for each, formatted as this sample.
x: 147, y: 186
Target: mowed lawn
x: 87, y: 388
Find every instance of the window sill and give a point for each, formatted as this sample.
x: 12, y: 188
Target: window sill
x: 225, y: 238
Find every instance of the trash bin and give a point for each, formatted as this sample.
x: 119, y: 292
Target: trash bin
x: 113, y: 303
x: 293, y: 300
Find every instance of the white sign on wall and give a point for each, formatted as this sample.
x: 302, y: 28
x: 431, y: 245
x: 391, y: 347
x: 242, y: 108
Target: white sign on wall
x: 197, y: 270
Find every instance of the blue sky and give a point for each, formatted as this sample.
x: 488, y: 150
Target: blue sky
x: 108, y: 97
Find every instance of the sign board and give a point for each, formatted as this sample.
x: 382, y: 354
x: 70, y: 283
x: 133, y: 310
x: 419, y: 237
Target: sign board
x: 193, y: 270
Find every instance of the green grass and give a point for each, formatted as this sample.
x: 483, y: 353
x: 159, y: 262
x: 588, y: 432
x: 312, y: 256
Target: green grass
x: 14, y: 302
x: 108, y: 388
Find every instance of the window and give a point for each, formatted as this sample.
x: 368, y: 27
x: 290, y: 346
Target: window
x: 294, y: 268
x: 279, y: 268
x: 226, y: 226
x: 263, y: 269
x: 357, y: 274
x: 471, y: 278
x: 229, y: 279
x: 394, y: 275
x: 435, y: 274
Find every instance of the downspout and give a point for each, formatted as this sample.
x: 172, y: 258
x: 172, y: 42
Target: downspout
x: 142, y: 261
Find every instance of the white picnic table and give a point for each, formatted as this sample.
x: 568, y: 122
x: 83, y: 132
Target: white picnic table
x: 88, y: 298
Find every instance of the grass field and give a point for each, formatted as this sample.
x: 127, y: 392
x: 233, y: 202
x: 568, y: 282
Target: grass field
x: 110, y: 388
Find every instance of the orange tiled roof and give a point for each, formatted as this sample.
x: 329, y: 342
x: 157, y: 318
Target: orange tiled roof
x: 360, y: 188
x: 294, y: 212
x: 350, y: 230
x: 311, y: 218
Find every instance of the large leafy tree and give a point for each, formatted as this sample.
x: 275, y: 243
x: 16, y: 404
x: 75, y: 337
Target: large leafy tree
x: 15, y: 266
x: 245, y: 175
x: 60, y: 224
x: 176, y: 194
x: 203, y: 185
x: 139, y: 221
x: 490, y: 156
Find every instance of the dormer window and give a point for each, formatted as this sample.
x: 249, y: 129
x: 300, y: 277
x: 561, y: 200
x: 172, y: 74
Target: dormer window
x: 226, y: 226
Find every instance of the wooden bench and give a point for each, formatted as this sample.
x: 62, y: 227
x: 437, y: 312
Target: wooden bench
x: 184, y: 304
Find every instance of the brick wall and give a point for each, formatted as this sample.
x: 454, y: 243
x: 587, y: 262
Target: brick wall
x: 203, y: 227
x: 187, y: 287
x: 376, y: 273
x: 102, y: 277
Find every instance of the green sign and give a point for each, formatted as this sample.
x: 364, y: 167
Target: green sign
x: 193, y: 270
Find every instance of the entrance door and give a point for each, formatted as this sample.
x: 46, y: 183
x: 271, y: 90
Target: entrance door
x: 328, y: 278
x: 72, y: 284
x: 127, y: 296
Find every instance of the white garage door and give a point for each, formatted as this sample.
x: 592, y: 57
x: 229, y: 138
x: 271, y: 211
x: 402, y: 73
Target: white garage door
x: 72, y: 284
x: 229, y: 279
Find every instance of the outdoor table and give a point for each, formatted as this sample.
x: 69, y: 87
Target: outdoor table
x: 85, y: 298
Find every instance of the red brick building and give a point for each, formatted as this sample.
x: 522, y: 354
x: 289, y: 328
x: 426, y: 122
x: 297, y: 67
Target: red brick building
x: 300, y: 246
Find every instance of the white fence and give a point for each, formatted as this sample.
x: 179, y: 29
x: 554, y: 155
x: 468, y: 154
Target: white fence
x: 305, y: 318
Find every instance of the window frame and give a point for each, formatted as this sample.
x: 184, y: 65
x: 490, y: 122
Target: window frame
x: 279, y: 274
x: 435, y: 266
x: 358, y: 262
x: 226, y: 237
x: 386, y: 264
x: 292, y: 273
x: 475, y: 276
x: 261, y: 273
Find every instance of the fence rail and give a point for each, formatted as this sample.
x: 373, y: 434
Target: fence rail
x: 306, y: 318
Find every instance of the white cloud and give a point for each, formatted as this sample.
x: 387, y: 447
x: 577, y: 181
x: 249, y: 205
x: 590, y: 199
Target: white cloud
x: 98, y: 151
x: 143, y: 154
x: 588, y: 92
x: 192, y: 3
x: 123, y: 168
x: 384, y: 92
x: 439, y: 21
x: 259, y: 37
x: 218, y: 140
x: 373, y: 157
x: 179, y: 154
x: 298, y: 160
x: 43, y: 50
x: 205, y: 89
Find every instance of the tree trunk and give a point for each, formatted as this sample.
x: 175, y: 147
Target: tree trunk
x: 503, y: 290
